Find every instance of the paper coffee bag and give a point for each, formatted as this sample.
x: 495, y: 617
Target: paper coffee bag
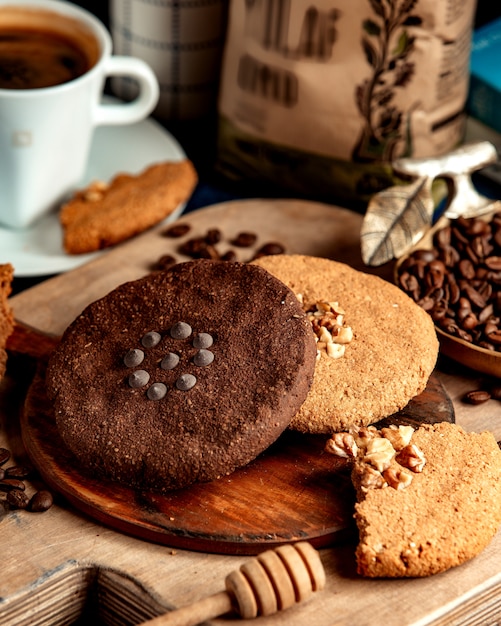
x: 319, y: 97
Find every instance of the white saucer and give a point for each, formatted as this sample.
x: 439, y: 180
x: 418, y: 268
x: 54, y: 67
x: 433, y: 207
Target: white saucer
x: 37, y: 250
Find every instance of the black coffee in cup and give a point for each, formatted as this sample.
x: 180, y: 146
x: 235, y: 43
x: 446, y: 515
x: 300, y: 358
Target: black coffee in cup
x: 41, y: 49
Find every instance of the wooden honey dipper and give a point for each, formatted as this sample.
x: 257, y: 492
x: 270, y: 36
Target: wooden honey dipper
x: 270, y: 582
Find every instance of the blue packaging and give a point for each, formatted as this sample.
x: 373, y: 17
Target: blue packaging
x: 484, y: 97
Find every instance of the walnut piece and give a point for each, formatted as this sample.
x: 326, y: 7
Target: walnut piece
x: 411, y: 457
x: 95, y: 191
x: 342, y: 445
x: 344, y: 335
x: 379, y: 453
x: 335, y: 350
x: 371, y: 478
x: 364, y: 434
x: 397, y: 477
x: 400, y: 436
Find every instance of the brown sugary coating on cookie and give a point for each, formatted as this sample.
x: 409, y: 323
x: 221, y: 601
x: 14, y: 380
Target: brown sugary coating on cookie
x: 446, y: 516
x: 263, y: 354
x: 101, y: 216
x: 389, y: 360
x: 6, y: 316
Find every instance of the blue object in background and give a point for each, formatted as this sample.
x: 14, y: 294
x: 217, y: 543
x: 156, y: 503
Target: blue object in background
x: 484, y: 99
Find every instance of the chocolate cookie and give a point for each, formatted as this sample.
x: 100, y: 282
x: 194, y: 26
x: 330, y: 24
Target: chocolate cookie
x: 427, y: 500
x: 182, y: 376
x: 377, y: 348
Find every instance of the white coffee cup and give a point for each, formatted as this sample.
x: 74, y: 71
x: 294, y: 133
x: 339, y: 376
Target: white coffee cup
x: 46, y: 133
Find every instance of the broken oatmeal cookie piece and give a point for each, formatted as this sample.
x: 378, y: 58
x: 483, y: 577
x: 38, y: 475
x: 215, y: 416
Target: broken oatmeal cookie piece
x: 6, y: 315
x: 102, y: 214
x: 425, y: 503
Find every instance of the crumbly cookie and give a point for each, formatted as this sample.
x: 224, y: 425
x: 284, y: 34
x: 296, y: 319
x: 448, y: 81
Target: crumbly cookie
x: 182, y: 376
x: 103, y: 215
x: 432, y: 503
x: 6, y: 316
x: 389, y: 351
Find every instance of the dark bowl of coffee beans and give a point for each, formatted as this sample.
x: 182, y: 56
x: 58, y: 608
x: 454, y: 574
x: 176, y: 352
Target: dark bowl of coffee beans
x: 454, y: 274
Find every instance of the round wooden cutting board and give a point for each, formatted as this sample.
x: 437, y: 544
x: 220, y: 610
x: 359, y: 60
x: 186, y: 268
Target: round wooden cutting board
x: 294, y: 491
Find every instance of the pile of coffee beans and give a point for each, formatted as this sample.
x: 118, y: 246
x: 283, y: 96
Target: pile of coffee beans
x: 13, y: 489
x: 458, y: 281
x: 204, y: 247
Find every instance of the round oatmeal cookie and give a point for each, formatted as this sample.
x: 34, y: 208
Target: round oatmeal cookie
x: 388, y: 343
x: 446, y: 514
x: 182, y: 376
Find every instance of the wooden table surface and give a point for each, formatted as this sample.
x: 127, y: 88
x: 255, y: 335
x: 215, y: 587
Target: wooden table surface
x: 55, y: 564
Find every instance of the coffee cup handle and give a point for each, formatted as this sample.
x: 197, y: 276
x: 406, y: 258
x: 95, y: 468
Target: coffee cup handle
x: 144, y: 103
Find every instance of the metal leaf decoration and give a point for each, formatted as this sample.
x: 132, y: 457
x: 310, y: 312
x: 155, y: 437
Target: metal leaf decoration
x: 395, y: 220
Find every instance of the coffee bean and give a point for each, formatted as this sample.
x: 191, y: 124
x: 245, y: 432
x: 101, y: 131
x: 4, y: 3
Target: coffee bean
x: 273, y: 247
x: 230, y: 255
x: 495, y: 337
x: 192, y: 247
x: 208, y: 252
x: 475, y: 296
x: 426, y: 303
x: 213, y: 236
x: 434, y: 278
x: 451, y: 256
x: 244, y: 240
x: 18, y: 471
x: 485, y: 314
x: 164, y: 262
x: 177, y: 230
x: 469, y: 322
x: 198, y: 248
x: 497, y: 237
x: 409, y: 283
x: 443, y: 237
x: 466, y: 269
x: 493, y: 263
x: 454, y: 290
x: 4, y: 455
x: 41, y: 501
x: 8, y: 484
x: 17, y: 499
x: 477, y: 397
